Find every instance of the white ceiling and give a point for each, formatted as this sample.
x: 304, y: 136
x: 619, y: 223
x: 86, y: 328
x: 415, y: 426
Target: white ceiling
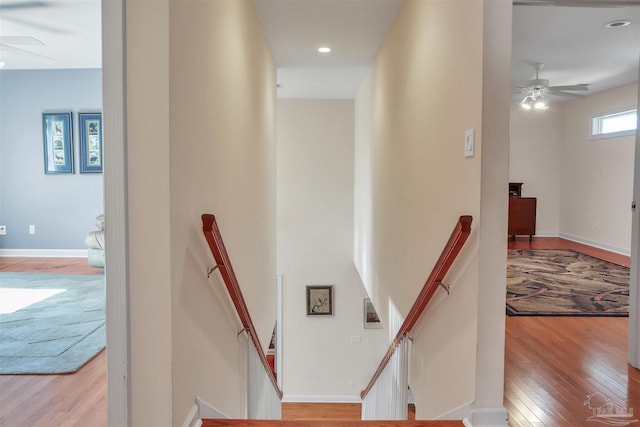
x: 575, y: 46
x: 571, y: 41
x: 295, y: 29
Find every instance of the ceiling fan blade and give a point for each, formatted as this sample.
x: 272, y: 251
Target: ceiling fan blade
x: 571, y: 87
x: 565, y: 94
x: 23, y: 5
x: 23, y: 51
x: 21, y: 40
x: 53, y: 28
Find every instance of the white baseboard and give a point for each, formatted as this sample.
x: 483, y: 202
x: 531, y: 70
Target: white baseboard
x: 595, y: 244
x: 487, y: 417
x: 45, y: 253
x: 310, y: 398
x: 459, y: 413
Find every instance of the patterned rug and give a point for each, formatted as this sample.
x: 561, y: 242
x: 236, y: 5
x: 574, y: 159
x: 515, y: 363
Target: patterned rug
x: 562, y: 282
x: 50, y: 323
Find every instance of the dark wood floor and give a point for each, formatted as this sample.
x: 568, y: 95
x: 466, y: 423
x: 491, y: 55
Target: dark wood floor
x: 551, y: 365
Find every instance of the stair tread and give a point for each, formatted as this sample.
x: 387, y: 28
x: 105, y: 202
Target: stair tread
x: 321, y: 423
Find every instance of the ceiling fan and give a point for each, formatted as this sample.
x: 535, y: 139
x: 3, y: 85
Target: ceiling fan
x: 536, y: 92
x: 10, y: 44
x: 17, y: 12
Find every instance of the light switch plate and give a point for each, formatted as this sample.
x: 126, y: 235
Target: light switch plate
x: 469, y: 143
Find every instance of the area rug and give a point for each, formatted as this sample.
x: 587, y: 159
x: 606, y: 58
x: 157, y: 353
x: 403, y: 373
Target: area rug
x: 50, y: 323
x: 562, y: 282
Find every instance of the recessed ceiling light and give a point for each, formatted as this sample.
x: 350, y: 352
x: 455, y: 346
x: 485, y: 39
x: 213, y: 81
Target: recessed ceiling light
x: 618, y: 23
x: 324, y: 49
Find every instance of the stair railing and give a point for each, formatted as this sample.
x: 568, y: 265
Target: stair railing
x: 263, y: 400
x: 393, y: 397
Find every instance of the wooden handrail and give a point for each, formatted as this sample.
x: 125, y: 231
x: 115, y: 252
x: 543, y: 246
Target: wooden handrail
x: 214, y: 238
x: 449, y: 254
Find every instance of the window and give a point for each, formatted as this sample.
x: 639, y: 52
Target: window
x: 614, y: 124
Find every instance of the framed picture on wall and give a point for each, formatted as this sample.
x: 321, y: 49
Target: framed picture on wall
x: 371, y: 320
x: 57, y: 141
x: 90, y: 142
x: 320, y: 300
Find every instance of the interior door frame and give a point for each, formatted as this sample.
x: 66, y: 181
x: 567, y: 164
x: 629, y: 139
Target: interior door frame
x: 115, y: 205
x: 634, y: 294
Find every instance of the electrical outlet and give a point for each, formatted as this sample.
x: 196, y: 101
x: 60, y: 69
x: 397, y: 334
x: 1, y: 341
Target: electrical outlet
x: 3, y: 230
x: 32, y: 229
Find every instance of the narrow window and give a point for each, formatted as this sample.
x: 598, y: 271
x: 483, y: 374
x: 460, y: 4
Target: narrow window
x: 614, y: 124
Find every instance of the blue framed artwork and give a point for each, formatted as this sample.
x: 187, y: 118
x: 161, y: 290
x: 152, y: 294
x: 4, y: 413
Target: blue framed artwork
x: 58, y: 146
x: 90, y: 142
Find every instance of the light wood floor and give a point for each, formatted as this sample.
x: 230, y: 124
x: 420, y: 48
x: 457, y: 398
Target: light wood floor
x: 78, y: 399
x: 551, y: 365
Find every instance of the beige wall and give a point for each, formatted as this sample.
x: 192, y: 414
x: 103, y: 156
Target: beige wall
x: 426, y: 90
x: 583, y: 186
x: 315, y: 230
x: 201, y: 139
x: 534, y: 160
x: 597, y: 176
x: 148, y: 153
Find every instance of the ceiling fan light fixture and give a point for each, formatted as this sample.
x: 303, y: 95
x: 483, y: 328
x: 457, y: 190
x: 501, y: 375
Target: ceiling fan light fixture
x: 539, y: 104
x: 619, y: 23
x: 526, y: 103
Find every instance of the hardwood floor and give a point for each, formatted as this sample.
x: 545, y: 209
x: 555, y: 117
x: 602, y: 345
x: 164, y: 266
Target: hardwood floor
x: 327, y: 411
x: 325, y: 423
x: 552, y: 364
x: 47, y: 265
x: 78, y: 399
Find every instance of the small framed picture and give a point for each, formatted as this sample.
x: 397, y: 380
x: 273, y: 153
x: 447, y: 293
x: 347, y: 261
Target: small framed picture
x: 58, y: 145
x: 90, y: 142
x: 320, y: 300
x: 371, y: 320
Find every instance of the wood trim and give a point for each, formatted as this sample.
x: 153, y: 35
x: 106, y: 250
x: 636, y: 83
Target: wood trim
x: 449, y: 254
x: 214, y: 239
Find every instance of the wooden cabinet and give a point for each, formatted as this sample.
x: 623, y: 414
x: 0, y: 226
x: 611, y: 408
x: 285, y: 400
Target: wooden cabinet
x: 522, y: 213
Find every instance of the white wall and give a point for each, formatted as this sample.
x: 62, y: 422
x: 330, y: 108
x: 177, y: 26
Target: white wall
x: 534, y: 160
x: 201, y: 138
x: 426, y: 90
x: 597, y: 176
x: 315, y: 229
x: 584, y: 187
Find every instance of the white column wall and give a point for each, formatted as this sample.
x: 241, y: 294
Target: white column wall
x: 149, y: 204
